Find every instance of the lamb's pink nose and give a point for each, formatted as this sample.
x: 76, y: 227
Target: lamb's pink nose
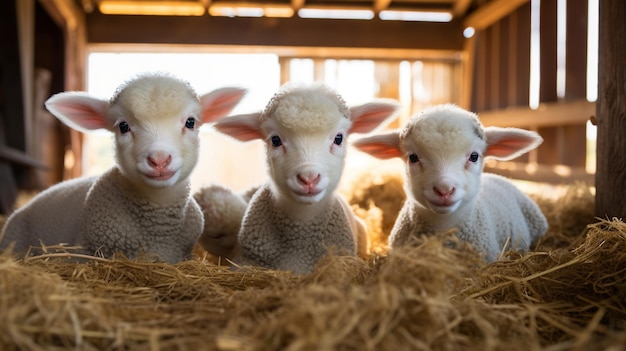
x: 444, y: 191
x: 159, y: 161
x: 309, y: 179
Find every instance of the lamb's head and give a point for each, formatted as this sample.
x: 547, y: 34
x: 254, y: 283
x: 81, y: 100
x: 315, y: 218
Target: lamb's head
x: 155, y: 119
x: 305, y: 128
x: 444, y: 148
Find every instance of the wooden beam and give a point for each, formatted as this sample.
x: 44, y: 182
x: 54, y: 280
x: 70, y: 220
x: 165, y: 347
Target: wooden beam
x: 68, y: 15
x: 546, y: 115
x: 19, y: 157
x: 460, y: 8
x: 554, y: 174
x: 64, y: 12
x: 294, y: 32
x: 491, y: 12
x: 611, y: 119
x: 26, y: 40
x: 380, y: 5
x: 297, y: 4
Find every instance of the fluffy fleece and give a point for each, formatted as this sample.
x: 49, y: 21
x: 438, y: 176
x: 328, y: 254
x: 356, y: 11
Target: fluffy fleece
x: 142, y: 204
x: 222, y: 210
x: 296, y: 218
x: 444, y: 148
x: 274, y: 239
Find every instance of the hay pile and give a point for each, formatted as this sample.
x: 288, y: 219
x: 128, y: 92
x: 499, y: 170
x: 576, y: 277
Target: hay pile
x: 568, y: 294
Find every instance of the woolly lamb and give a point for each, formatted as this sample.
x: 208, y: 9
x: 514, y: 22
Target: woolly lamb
x: 223, y: 211
x: 444, y: 148
x: 296, y: 217
x: 143, y: 203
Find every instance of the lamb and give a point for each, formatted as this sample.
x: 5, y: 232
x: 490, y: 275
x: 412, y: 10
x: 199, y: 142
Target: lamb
x: 223, y: 211
x: 143, y: 203
x: 296, y: 217
x: 444, y: 148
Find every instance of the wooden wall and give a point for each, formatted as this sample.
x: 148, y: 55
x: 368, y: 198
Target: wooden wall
x: 501, y: 87
x: 39, y: 55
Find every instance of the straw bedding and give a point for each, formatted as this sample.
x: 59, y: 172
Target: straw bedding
x: 568, y: 293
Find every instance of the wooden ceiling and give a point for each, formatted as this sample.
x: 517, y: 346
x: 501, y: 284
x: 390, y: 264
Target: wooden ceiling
x: 260, y: 22
x: 454, y: 8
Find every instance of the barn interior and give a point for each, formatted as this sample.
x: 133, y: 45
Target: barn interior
x: 531, y: 64
x: 513, y: 64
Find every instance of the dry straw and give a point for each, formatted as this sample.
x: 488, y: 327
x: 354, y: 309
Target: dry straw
x: 567, y: 294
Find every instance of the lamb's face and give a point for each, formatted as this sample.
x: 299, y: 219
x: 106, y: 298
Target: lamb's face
x: 156, y: 132
x: 306, y: 145
x: 444, y: 159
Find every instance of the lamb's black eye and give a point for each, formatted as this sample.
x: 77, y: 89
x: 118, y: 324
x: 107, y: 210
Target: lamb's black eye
x: 124, y: 127
x: 338, y: 139
x: 473, y: 157
x: 413, y: 158
x: 276, y: 142
x: 190, y: 123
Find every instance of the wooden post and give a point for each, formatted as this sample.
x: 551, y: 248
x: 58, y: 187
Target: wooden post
x: 611, y: 111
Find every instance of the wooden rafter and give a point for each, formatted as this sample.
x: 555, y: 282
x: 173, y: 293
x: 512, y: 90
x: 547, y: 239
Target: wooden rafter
x: 297, y: 4
x: 460, y: 8
x: 548, y: 114
x: 380, y: 5
x: 491, y: 12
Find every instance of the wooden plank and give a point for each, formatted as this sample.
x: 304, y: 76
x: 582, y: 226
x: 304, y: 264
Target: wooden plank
x: 546, y: 115
x: 296, y: 32
x: 574, y: 148
x: 8, y: 187
x: 297, y: 4
x: 549, y: 152
x: 64, y: 12
x: 467, y: 73
x: 285, y: 69
x: 26, y: 36
x: 71, y: 19
x: 460, y: 7
x: 479, y: 100
x: 10, y: 71
x: 512, y: 59
x: 554, y: 174
x: 19, y: 157
x: 611, y: 118
x: 576, y: 50
x: 388, y: 78
x: 494, y: 68
x: 548, y: 48
x: 491, y: 12
x: 503, y: 62
x: 521, y: 69
x: 380, y: 5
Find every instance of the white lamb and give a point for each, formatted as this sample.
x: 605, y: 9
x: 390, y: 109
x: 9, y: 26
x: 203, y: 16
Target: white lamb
x: 444, y: 148
x: 296, y: 217
x: 143, y: 203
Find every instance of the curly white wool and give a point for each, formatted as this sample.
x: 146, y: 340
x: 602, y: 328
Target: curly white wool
x: 143, y: 203
x: 296, y: 218
x: 444, y: 148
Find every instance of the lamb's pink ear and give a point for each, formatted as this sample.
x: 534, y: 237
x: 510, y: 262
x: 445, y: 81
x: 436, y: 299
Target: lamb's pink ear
x: 383, y: 146
x: 220, y: 102
x: 508, y: 143
x: 79, y: 110
x: 367, y: 117
x: 241, y: 127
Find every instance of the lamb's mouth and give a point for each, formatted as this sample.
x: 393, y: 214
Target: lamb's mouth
x: 309, y: 193
x: 443, y: 205
x: 160, y: 176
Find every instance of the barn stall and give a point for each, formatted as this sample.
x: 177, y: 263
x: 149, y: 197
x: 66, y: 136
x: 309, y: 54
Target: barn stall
x: 566, y: 294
